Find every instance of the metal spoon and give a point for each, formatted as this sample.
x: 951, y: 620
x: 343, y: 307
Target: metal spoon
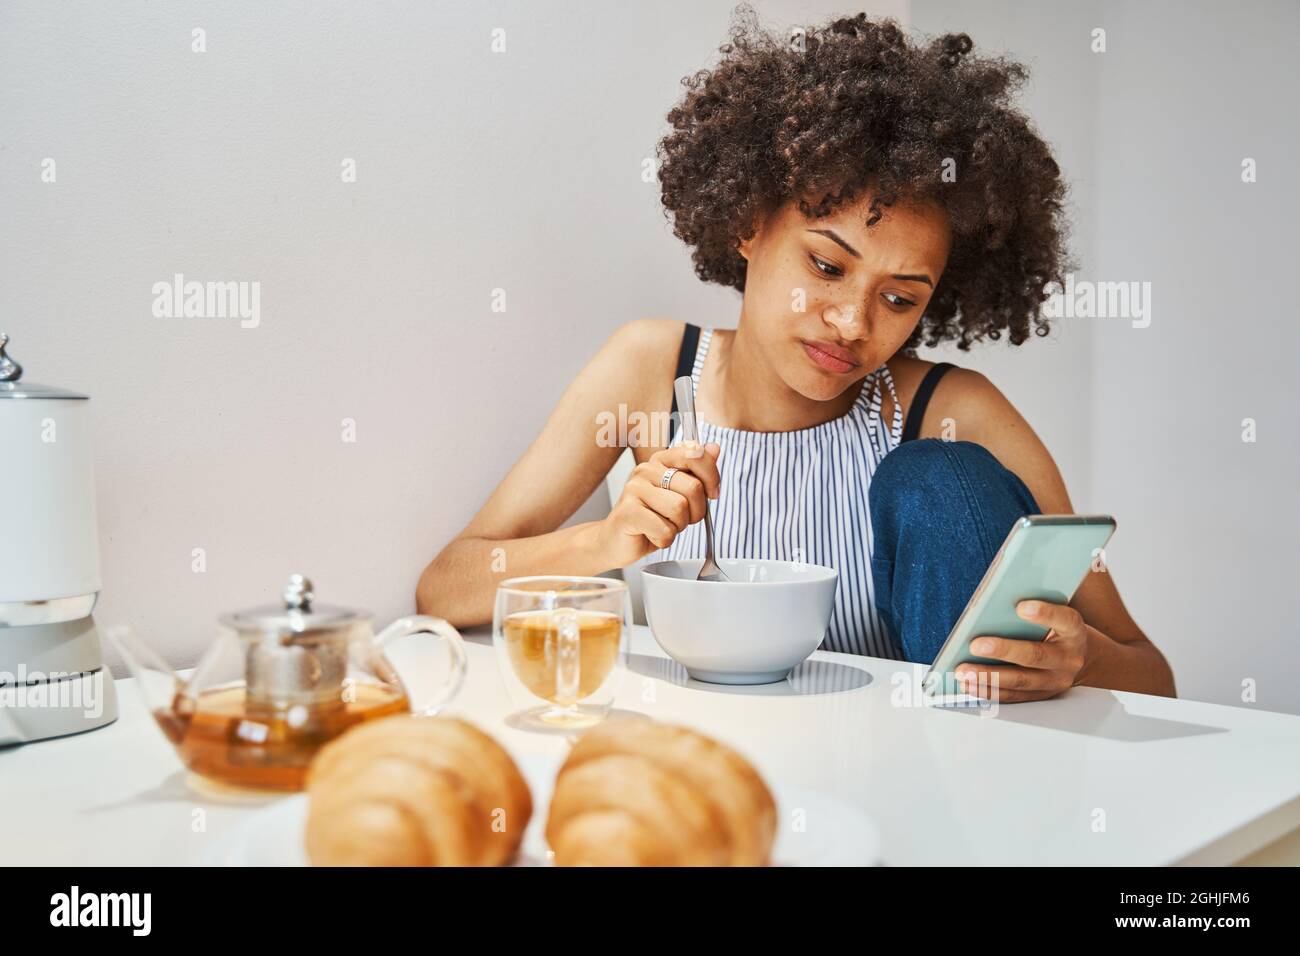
x: 709, y: 571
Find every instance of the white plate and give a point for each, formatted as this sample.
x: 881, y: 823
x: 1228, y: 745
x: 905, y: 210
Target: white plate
x: 814, y: 829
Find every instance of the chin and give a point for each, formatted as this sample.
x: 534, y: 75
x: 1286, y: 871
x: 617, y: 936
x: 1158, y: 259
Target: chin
x: 818, y: 386
x: 816, y: 383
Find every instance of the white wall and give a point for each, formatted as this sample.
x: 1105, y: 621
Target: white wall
x: 1211, y: 523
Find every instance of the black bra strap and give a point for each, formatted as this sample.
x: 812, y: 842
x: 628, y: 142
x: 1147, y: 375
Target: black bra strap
x: 685, y: 366
x: 912, y: 427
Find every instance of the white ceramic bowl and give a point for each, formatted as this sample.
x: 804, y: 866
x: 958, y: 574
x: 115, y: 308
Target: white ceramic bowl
x: 753, y: 629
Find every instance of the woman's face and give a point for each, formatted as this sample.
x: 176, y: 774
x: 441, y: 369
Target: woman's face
x: 833, y: 284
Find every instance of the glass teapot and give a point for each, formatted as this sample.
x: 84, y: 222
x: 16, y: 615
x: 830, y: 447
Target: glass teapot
x: 282, y: 681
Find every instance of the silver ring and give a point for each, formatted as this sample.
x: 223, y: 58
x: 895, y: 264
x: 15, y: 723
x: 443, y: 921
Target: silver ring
x: 667, y: 479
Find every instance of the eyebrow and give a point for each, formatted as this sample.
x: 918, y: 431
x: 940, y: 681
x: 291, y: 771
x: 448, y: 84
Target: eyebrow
x: 834, y: 237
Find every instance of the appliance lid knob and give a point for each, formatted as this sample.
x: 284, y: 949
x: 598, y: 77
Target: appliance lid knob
x: 10, y: 371
x: 298, y: 593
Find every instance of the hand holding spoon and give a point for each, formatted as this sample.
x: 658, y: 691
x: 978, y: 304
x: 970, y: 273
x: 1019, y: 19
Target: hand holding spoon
x: 709, y: 571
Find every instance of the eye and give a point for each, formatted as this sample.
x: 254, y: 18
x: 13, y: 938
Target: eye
x: 824, y: 267
x: 898, y: 301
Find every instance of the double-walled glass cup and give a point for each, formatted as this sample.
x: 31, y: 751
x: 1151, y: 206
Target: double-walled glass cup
x: 561, y: 643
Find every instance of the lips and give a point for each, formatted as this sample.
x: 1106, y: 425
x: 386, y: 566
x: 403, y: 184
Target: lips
x: 830, y: 357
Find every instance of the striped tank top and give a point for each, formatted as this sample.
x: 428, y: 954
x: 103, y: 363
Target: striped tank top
x: 802, y: 495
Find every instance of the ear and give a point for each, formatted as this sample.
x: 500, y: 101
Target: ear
x: 746, y: 246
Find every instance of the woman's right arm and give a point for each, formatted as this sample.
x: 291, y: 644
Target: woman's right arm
x: 514, y: 534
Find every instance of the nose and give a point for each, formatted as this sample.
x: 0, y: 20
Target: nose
x: 848, y: 319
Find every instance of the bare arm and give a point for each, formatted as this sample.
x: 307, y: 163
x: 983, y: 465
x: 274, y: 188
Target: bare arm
x: 460, y: 583
x: 1119, y: 655
x: 514, y: 533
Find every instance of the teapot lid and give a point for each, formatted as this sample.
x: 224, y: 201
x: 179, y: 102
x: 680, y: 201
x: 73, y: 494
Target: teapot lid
x: 11, y: 387
x: 298, y: 614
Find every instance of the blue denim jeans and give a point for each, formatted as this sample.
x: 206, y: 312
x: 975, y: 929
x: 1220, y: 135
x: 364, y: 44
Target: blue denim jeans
x: 939, y: 512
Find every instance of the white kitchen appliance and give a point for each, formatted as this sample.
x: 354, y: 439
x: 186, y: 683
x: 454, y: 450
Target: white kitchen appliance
x: 52, y: 677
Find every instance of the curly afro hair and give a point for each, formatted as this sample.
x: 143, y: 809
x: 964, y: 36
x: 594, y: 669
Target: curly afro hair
x: 833, y: 111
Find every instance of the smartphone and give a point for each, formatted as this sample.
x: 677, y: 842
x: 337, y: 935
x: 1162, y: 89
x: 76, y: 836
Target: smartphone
x: 1044, y: 557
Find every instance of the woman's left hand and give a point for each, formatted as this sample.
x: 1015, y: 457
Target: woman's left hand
x: 1035, y: 670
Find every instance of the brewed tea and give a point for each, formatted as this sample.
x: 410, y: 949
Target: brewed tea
x: 532, y: 641
x: 220, y: 735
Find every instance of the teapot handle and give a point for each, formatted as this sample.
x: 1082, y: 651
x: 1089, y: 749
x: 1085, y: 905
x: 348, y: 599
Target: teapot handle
x: 423, y: 624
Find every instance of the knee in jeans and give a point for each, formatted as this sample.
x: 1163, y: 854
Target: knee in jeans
x: 921, y: 475
x: 932, y: 479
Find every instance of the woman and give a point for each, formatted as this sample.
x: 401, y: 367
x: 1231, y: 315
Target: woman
x: 866, y: 195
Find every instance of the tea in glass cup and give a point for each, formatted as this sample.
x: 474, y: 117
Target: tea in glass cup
x: 561, y: 646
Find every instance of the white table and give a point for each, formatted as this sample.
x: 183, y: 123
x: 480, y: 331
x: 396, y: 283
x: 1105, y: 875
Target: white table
x: 1177, y: 781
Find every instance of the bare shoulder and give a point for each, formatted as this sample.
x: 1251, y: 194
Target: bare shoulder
x: 907, y: 374
x: 626, y: 375
x: 643, y: 353
x: 642, y: 356
x: 976, y: 408
x: 961, y: 394
x: 572, y: 453
x: 650, y: 332
x: 956, y: 385
x: 967, y: 406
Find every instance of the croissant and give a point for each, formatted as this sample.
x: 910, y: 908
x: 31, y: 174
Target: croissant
x: 415, y: 791
x: 650, y: 794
